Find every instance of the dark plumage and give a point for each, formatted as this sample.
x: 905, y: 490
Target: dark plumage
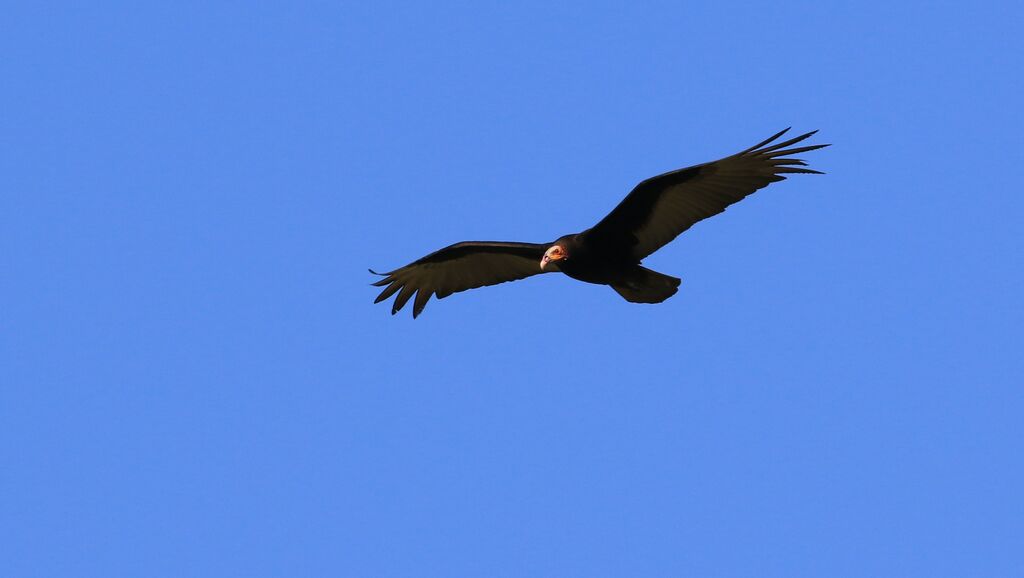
x: 655, y: 212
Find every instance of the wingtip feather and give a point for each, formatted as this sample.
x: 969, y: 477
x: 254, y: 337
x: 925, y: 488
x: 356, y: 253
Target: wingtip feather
x: 387, y: 292
x: 402, y: 299
x: 767, y: 140
x: 797, y: 170
x: 422, y: 296
x: 784, y: 144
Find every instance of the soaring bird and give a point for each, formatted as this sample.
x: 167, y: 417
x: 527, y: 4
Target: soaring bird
x: 656, y: 211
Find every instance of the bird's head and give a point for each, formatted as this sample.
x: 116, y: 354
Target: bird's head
x: 554, y: 254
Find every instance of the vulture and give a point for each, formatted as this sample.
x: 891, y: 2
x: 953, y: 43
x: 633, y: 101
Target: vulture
x: 610, y: 253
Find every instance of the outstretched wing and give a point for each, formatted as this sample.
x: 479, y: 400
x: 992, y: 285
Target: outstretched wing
x: 662, y: 207
x: 458, y: 267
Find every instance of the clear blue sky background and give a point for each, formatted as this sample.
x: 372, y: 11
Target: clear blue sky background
x: 195, y: 381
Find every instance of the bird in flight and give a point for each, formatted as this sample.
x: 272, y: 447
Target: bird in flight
x: 656, y: 211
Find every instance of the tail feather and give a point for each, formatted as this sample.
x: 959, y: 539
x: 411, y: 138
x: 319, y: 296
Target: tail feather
x: 645, y: 286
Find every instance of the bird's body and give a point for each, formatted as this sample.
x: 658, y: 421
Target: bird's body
x: 609, y: 253
x: 608, y: 265
x: 589, y: 263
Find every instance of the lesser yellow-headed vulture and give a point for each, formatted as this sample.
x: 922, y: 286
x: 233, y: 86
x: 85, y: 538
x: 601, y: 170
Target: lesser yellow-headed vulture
x: 609, y: 253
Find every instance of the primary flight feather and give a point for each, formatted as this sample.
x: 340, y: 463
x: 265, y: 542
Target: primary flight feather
x: 656, y: 211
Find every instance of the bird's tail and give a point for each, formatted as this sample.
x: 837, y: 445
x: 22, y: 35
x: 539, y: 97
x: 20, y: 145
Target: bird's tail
x: 642, y: 285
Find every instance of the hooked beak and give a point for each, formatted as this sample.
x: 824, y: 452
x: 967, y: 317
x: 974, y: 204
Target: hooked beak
x: 552, y: 255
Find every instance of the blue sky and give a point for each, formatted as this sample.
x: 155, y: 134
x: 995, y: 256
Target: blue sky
x: 196, y: 383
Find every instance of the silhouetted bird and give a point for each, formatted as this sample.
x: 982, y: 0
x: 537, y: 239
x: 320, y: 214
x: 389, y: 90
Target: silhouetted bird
x: 609, y: 253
